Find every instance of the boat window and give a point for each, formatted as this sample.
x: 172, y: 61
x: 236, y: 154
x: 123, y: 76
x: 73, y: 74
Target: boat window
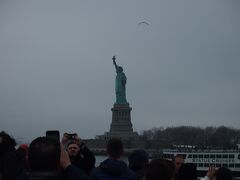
x: 194, y: 156
x: 231, y: 165
x: 225, y: 165
x: 225, y: 156
x: 218, y: 165
x: 212, y: 165
x: 183, y: 155
x: 206, y: 156
x: 231, y: 156
x: 190, y: 156
x: 212, y: 155
x: 167, y: 156
x: 206, y: 165
x: 218, y: 156
x: 200, y: 155
x: 200, y: 165
x: 237, y: 165
x: 238, y: 156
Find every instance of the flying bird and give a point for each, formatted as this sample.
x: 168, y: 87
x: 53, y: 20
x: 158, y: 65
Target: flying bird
x: 143, y: 22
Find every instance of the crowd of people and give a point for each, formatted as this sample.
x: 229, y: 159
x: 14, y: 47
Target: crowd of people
x: 48, y: 159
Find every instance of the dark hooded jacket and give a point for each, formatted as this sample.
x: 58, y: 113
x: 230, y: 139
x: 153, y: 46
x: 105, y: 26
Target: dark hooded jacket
x: 111, y: 169
x: 70, y: 173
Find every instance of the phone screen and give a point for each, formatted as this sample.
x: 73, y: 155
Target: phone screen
x: 53, y: 135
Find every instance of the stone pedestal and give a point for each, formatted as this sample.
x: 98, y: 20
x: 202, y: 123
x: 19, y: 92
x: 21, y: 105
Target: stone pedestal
x: 121, y: 126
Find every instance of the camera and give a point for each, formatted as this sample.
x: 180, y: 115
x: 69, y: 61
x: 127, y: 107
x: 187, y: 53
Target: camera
x: 71, y: 136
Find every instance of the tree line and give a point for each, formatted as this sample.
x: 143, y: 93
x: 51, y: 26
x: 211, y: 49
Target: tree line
x: 209, y: 137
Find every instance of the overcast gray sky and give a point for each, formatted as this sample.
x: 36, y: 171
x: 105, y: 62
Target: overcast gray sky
x: 56, y: 69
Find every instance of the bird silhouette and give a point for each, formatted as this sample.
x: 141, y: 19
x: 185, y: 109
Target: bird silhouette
x: 143, y: 22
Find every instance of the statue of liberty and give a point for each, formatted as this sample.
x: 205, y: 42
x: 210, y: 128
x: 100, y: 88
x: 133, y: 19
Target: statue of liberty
x: 120, y: 84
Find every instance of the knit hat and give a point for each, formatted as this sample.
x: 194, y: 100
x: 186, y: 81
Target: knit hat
x: 137, y: 159
x: 24, y: 146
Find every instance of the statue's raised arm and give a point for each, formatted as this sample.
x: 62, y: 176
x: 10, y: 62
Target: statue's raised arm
x: 114, y: 62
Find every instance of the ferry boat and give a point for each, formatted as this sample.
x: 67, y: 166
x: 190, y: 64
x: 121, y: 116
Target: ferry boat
x: 203, y: 159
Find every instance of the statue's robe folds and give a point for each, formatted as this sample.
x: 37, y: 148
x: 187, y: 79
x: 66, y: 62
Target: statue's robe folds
x: 120, y: 88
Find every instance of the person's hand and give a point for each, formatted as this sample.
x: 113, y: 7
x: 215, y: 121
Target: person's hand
x: 211, y: 172
x: 65, y: 138
x: 64, y: 159
x: 77, y: 140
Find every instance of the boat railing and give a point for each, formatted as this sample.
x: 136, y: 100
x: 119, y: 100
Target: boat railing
x: 201, y: 150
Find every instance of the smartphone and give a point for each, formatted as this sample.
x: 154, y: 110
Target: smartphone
x: 71, y: 136
x: 53, y: 135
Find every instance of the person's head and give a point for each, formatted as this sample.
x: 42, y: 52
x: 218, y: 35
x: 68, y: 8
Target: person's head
x: 187, y: 171
x: 7, y: 139
x: 178, y: 162
x: 24, y: 146
x: 223, y: 173
x: 120, y: 69
x: 6, y: 143
x: 23, y: 151
x: 115, y: 148
x: 44, y: 154
x: 72, y: 149
x: 138, y: 159
x: 160, y: 169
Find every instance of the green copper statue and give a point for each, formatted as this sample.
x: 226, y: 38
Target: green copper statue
x: 120, y: 84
